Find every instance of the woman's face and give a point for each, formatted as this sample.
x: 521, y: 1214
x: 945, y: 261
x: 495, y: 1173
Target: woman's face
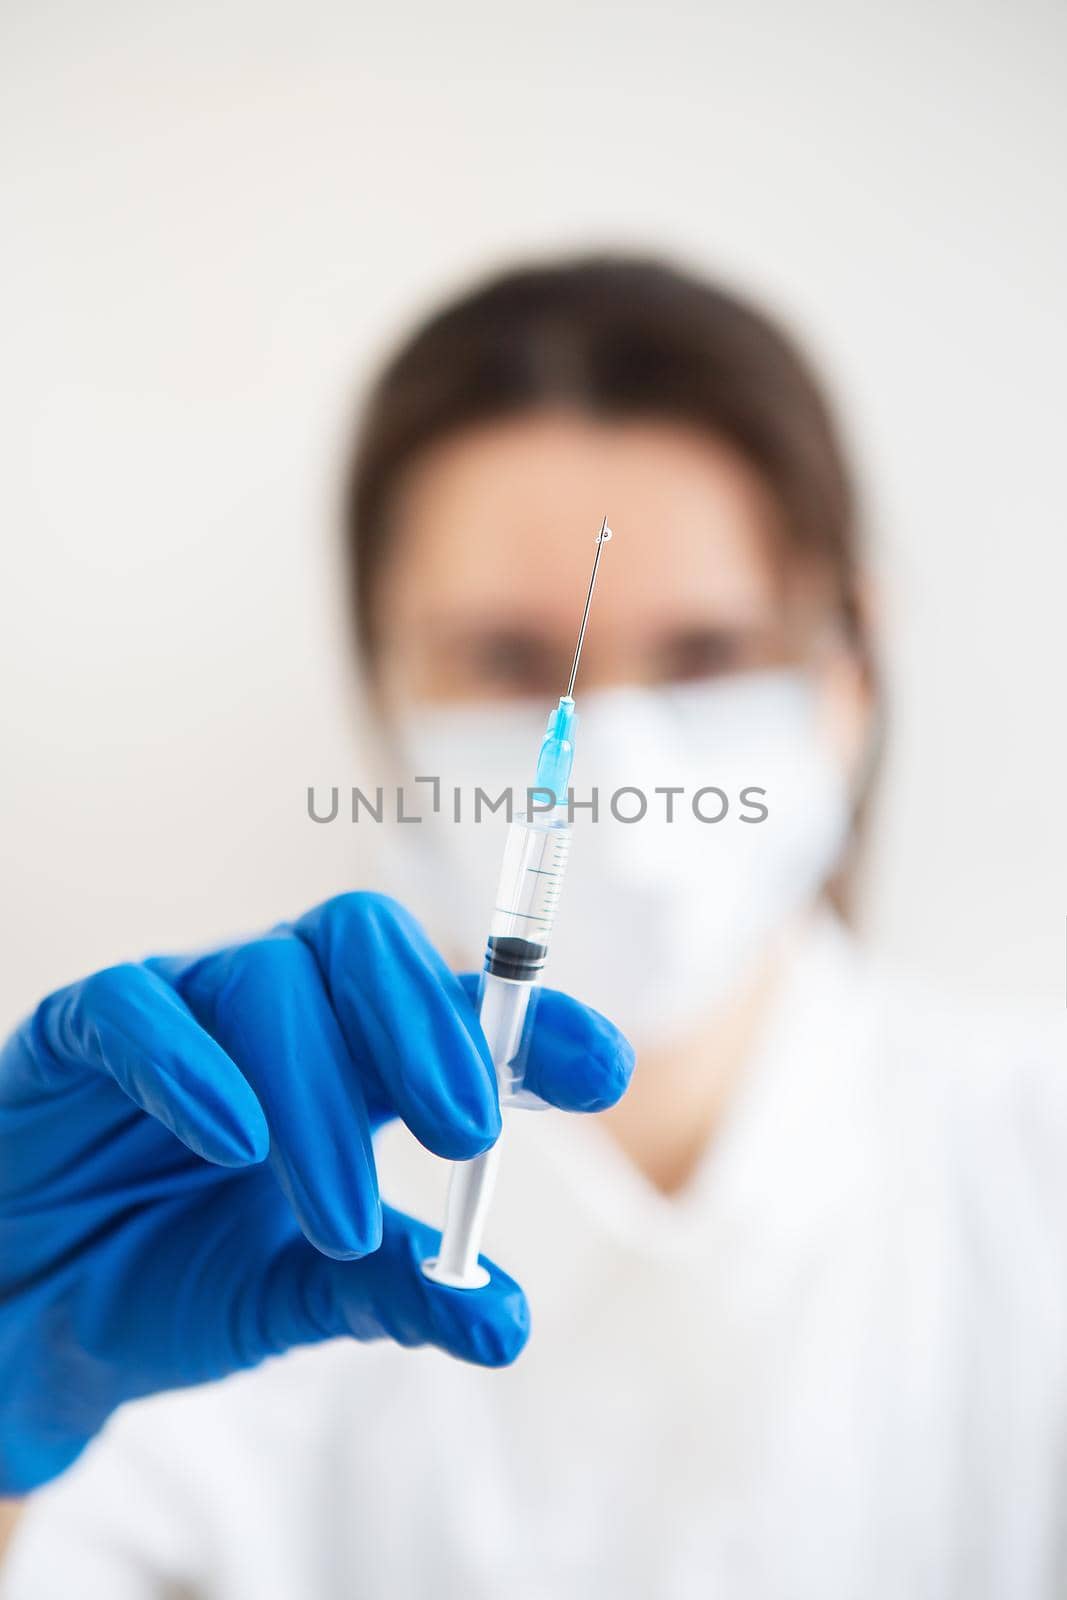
x: 494, y: 537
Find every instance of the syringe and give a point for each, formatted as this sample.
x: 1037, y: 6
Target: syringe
x: 531, y: 878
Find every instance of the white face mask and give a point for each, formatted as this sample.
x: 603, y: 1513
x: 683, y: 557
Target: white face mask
x: 659, y: 920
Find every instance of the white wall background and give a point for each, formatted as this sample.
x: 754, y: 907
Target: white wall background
x: 215, y: 215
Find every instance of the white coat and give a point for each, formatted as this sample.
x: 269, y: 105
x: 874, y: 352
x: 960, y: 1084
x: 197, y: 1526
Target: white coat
x: 835, y: 1367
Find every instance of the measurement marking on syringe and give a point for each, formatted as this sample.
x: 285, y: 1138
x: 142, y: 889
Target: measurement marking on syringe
x: 524, y: 916
x: 543, y: 872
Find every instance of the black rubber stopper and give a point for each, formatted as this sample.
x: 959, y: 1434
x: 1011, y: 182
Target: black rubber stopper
x: 511, y: 957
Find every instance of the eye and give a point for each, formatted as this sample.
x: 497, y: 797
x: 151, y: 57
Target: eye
x: 512, y: 662
x: 706, y: 653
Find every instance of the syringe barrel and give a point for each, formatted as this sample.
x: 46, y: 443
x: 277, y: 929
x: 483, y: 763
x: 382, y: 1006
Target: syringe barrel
x: 528, y: 891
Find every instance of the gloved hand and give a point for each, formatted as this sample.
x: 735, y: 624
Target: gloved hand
x: 187, y: 1180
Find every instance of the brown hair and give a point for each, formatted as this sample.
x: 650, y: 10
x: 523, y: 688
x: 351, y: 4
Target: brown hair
x: 617, y: 336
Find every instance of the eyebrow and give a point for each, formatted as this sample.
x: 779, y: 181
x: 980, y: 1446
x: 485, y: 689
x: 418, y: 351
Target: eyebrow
x: 483, y: 627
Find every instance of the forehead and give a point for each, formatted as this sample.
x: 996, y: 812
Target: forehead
x: 504, y: 517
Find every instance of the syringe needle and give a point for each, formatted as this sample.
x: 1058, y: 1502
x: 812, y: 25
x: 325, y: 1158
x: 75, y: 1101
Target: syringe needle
x: 601, y: 540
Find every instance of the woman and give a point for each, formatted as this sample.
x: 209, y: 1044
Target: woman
x: 799, y: 1296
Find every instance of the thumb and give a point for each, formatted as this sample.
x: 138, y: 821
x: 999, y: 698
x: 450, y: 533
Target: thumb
x: 309, y: 1297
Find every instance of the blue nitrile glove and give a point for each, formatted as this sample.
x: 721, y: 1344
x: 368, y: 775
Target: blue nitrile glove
x: 187, y: 1181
